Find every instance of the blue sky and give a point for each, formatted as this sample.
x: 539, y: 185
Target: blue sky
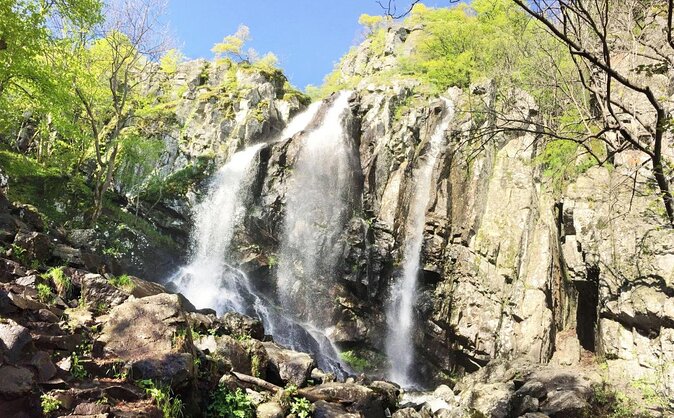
x: 308, y: 36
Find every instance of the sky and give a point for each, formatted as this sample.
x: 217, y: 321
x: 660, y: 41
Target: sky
x: 308, y: 36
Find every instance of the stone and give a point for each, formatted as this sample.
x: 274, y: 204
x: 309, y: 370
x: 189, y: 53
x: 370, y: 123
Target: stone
x: 153, y: 335
x: 406, y: 413
x: 247, y: 357
x: 361, y: 399
x: 15, y: 381
x: 288, y: 366
x: 14, y: 340
x: 323, y: 409
x: 270, y: 410
x: 527, y: 404
x: 96, y: 291
x: 238, y: 325
x: 90, y: 408
x: 9, y: 270
x: 44, y: 366
x: 564, y: 404
x: 37, y: 245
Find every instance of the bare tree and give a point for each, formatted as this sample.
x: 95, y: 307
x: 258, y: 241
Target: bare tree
x: 133, y: 39
x: 600, y: 36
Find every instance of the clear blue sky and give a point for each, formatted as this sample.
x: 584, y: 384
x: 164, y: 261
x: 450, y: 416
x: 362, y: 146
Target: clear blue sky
x: 308, y: 36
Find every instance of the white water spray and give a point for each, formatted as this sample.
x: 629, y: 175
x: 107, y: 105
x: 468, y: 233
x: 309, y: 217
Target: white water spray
x: 400, y: 310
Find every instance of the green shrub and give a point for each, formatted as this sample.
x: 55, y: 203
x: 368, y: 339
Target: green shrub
x: 354, y: 361
x: 228, y: 404
x: 49, y: 404
x: 301, y: 407
x: 62, y: 282
x: 171, y: 407
x: 76, y: 369
x: 123, y: 282
x: 44, y: 293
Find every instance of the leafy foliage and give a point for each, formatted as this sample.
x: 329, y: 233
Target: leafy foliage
x: 49, y: 404
x: 170, y: 406
x: 230, y: 404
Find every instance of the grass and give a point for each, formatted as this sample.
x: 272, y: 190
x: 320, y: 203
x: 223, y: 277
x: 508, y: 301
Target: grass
x: 62, y: 282
x: 44, y: 293
x: 49, y: 404
x: 123, y: 282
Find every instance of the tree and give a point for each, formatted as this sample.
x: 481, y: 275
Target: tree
x: 617, y: 48
x: 232, y: 46
x: 113, y: 71
x: 37, y: 39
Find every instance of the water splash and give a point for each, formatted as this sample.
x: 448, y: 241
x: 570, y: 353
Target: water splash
x: 400, y: 310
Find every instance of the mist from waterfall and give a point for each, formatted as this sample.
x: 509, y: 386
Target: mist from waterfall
x: 400, y: 309
x: 317, y: 208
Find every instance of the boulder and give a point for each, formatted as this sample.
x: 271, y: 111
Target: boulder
x: 152, y: 334
x: 564, y: 404
x: 288, y: 366
x: 323, y: 409
x: 36, y: 245
x: 15, y: 381
x: 360, y: 399
x: 247, y: 356
x: 14, y: 340
x: 98, y: 292
x: 270, y: 410
x: 239, y: 325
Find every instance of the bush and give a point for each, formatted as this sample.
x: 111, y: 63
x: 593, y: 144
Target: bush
x: 123, y: 282
x: 62, y: 282
x: 171, y: 407
x: 228, y: 404
x: 301, y: 407
x: 44, y: 293
x: 49, y: 404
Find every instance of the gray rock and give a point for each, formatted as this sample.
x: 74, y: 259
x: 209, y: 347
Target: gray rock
x: 270, y: 410
x: 37, y: 246
x: 15, y: 381
x: 563, y: 404
x: 323, y: 409
x: 153, y: 335
x: 288, y: 366
x: 14, y: 340
x: 361, y: 399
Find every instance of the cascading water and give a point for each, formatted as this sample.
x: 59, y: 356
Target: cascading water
x: 210, y: 282
x: 400, y: 310
x: 319, y: 199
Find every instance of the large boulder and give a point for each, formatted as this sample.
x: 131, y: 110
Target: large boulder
x: 288, y: 366
x: 152, y: 335
x: 14, y: 340
x: 36, y: 245
x: 359, y: 399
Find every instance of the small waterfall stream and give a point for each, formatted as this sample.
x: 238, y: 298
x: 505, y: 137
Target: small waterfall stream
x: 400, y: 310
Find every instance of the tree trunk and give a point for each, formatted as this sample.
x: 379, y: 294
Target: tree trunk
x: 103, y: 181
x: 663, y: 184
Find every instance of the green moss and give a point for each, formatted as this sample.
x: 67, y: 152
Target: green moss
x: 353, y: 360
x: 58, y: 197
x: 177, y: 184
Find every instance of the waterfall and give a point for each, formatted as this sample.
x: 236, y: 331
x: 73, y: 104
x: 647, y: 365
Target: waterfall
x: 400, y: 309
x: 319, y: 200
x: 318, y: 203
x: 209, y: 281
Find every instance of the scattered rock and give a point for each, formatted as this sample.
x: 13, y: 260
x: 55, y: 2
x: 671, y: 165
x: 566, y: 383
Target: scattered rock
x: 288, y: 366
